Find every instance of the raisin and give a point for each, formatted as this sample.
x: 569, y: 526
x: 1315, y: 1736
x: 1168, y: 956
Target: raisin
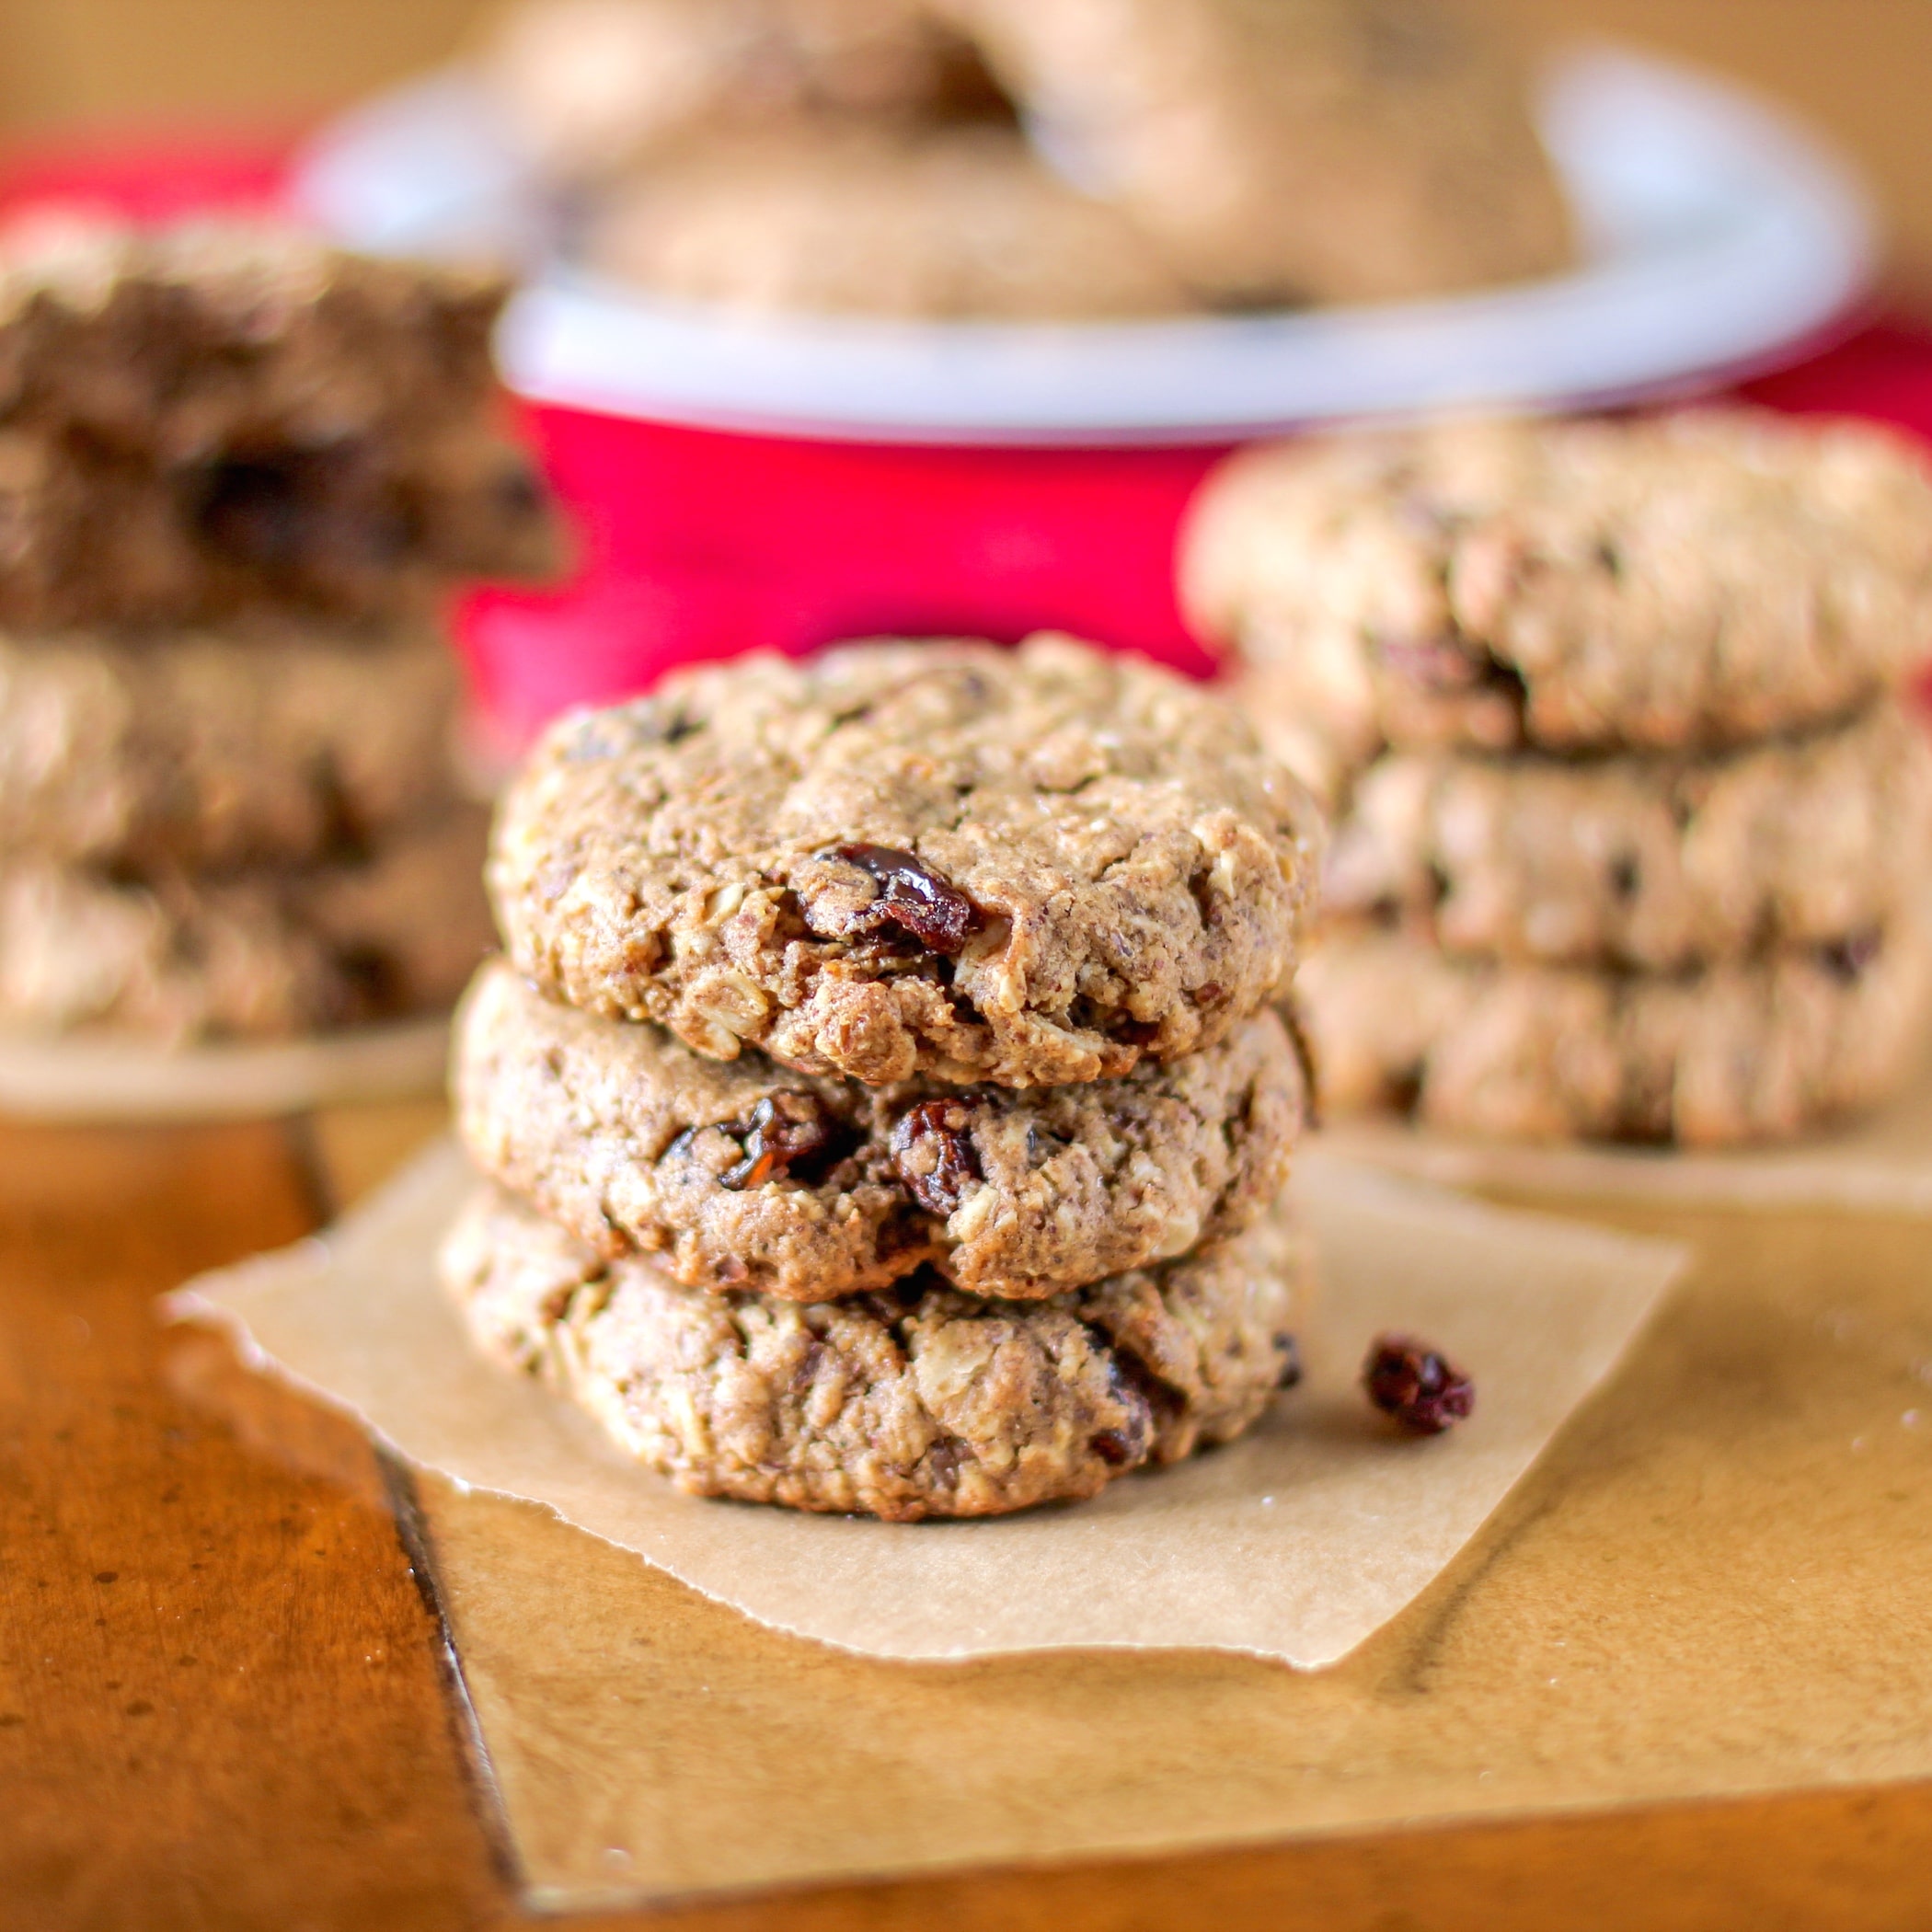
x: 258, y: 511
x: 933, y: 1155
x: 1415, y: 1384
x: 1142, y: 1398
x: 784, y: 1129
x: 1846, y: 959
x: 299, y: 511
x: 1626, y: 875
x: 918, y: 901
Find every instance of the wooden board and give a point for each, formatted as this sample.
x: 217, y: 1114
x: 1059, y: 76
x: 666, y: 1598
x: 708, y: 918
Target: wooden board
x: 225, y: 1699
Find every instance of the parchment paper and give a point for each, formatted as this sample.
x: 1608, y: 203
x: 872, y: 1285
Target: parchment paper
x: 1881, y: 1164
x: 100, y: 1079
x: 1296, y: 1543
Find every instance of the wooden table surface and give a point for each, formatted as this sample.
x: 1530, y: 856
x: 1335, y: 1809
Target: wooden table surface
x: 226, y: 1699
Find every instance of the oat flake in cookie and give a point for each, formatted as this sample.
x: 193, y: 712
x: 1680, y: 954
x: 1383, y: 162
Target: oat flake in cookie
x: 922, y: 1402
x: 1029, y: 867
x: 1697, y: 580
x: 744, y: 1175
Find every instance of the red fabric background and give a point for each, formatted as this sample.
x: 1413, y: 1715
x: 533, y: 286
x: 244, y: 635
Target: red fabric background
x: 697, y: 542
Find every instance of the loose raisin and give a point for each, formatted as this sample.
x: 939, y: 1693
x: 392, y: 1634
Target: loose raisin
x: 916, y: 900
x: 784, y: 1129
x: 934, y: 1156
x: 1419, y: 1387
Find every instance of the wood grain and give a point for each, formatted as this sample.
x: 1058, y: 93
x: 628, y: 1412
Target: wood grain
x: 221, y: 1693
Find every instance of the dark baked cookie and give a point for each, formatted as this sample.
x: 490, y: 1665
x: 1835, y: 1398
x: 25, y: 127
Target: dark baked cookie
x: 932, y: 223
x: 258, y: 954
x: 1028, y: 867
x: 743, y: 1175
x: 1291, y: 151
x: 198, y: 420
x: 180, y: 344
x: 273, y: 740
x: 922, y: 1402
x: 1655, y: 861
x: 358, y: 531
x: 1691, y: 580
x: 1758, y: 1052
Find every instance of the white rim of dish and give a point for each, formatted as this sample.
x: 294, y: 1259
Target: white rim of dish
x: 1718, y: 233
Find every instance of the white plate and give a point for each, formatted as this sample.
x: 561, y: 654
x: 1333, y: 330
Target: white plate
x: 1717, y: 234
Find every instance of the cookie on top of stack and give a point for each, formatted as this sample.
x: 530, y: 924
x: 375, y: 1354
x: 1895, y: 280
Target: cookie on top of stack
x: 883, y: 1098
x: 238, y: 469
x: 1634, y: 830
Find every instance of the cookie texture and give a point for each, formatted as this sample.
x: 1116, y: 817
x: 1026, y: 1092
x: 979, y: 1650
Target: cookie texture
x: 1699, y: 579
x: 178, y: 343
x: 1028, y: 868
x: 924, y: 1402
x: 259, y: 953
x: 270, y: 741
x: 1657, y: 861
x: 1291, y: 151
x: 198, y: 420
x: 927, y: 223
x: 1757, y: 1051
x: 360, y: 532
x: 741, y: 1175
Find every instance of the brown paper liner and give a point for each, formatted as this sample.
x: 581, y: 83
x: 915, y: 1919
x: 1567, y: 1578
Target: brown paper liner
x: 1296, y: 1543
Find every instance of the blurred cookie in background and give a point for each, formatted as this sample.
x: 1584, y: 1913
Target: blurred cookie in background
x: 240, y: 471
x: 929, y: 223
x: 1633, y: 835
x: 1152, y: 156
x: 590, y: 88
x: 199, y: 421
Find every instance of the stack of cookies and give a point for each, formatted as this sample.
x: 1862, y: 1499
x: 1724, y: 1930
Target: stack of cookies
x: 1024, y: 158
x: 1634, y: 832
x: 237, y: 472
x: 882, y: 1100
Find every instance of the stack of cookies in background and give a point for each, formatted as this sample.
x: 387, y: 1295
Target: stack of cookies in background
x: 238, y: 471
x: 882, y: 1100
x: 1634, y: 832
